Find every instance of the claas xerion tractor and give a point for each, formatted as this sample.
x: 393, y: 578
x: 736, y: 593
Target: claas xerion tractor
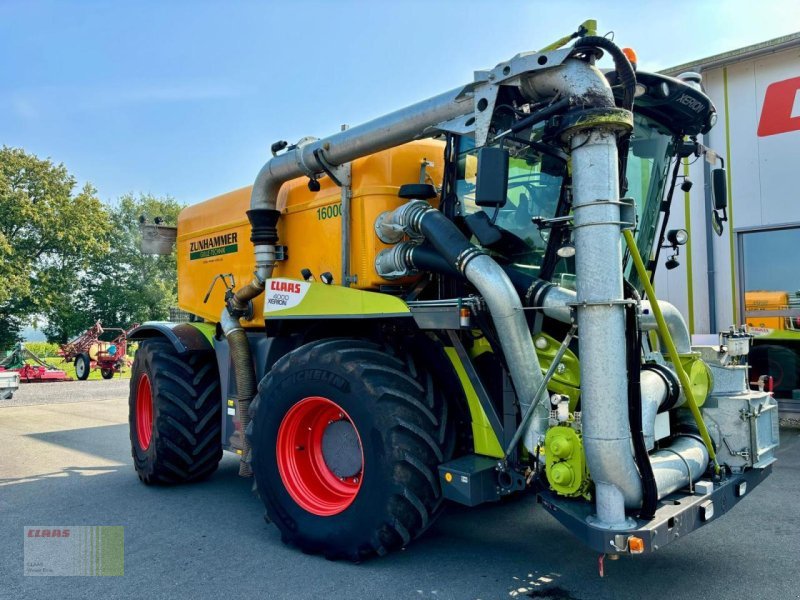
x: 454, y: 302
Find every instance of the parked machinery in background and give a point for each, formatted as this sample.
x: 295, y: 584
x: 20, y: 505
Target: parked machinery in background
x: 29, y: 368
x: 88, y: 351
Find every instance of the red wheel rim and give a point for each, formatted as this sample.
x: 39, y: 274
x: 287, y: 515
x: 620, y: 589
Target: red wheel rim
x: 307, y: 477
x: 144, y: 411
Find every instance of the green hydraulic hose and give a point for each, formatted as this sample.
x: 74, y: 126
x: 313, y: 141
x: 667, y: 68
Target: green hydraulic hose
x: 671, y: 349
x: 588, y: 27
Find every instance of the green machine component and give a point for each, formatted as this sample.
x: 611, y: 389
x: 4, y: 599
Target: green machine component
x: 700, y: 377
x: 567, y: 378
x: 565, y: 464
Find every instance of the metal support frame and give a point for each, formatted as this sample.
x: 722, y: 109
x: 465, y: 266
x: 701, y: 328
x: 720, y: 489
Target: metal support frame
x: 550, y: 372
x: 346, y: 177
x: 509, y: 410
x: 341, y: 175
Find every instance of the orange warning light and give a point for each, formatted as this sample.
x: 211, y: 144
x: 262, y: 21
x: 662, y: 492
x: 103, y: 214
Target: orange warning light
x: 630, y: 53
x: 635, y: 545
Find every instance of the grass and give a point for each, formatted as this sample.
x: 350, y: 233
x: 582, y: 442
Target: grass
x: 94, y: 374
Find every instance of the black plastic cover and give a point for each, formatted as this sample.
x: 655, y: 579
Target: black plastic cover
x: 492, y: 185
x: 417, y: 191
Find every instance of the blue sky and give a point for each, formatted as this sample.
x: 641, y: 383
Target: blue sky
x: 185, y: 98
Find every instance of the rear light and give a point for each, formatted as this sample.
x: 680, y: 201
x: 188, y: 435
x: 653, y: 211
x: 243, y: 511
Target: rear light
x: 635, y: 545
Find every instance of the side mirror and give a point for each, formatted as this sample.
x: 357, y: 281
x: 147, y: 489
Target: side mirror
x: 719, y: 188
x: 716, y: 222
x: 492, y: 185
x: 719, y: 191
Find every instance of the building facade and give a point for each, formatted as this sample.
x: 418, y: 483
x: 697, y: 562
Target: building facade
x: 751, y: 273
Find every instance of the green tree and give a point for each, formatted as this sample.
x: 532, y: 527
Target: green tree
x: 127, y: 286
x: 49, y: 235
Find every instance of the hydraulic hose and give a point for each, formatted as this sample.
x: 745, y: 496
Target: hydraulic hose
x: 623, y: 67
x: 541, y: 115
x: 671, y: 350
x: 633, y: 342
x: 627, y: 78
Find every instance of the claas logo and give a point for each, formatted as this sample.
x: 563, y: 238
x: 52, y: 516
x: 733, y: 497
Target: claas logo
x: 781, y: 110
x: 285, y: 286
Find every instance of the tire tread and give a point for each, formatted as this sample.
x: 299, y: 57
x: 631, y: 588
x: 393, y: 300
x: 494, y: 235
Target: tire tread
x: 413, y: 425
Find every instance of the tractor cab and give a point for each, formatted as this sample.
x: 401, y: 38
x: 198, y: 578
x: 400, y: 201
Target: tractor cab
x: 530, y: 229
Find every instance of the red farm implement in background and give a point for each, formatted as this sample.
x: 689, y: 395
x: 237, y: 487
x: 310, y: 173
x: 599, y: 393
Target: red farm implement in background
x: 20, y: 360
x: 89, y: 352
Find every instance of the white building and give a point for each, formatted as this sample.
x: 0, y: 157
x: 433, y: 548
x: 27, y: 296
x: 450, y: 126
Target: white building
x: 757, y: 94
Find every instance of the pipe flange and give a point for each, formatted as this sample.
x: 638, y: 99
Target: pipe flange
x: 463, y: 259
x: 387, y: 232
x: 537, y: 292
x: 617, y: 120
x: 595, y: 521
x: 298, y: 156
x: 671, y: 381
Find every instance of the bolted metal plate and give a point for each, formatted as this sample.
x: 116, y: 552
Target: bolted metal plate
x: 341, y: 449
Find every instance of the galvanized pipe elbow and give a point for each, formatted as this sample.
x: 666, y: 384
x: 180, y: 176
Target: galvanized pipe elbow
x: 676, y: 324
x: 573, y: 78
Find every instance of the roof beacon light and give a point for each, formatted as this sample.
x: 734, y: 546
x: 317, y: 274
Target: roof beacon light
x: 630, y: 53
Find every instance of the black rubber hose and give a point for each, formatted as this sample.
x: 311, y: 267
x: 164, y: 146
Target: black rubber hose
x: 541, y: 115
x: 426, y: 258
x: 623, y: 67
x: 633, y: 343
x: 667, y: 206
x: 626, y: 75
x: 447, y: 239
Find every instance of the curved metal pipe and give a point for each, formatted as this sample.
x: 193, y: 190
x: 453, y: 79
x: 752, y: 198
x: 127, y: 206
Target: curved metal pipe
x: 654, y: 393
x: 497, y: 291
x: 245, y: 377
x: 683, y: 462
x: 574, y: 77
x: 404, y: 125
x: 554, y: 299
x: 512, y: 329
x: 399, y: 127
x: 676, y: 324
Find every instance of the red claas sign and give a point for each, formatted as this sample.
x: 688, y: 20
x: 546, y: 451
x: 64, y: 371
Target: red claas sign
x: 781, y: 110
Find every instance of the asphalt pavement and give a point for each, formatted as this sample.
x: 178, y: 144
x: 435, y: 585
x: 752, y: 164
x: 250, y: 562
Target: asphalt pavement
x: 66, y: 461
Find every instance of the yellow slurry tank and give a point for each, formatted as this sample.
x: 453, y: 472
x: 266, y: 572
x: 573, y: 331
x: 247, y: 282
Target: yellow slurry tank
x: 214, y: 236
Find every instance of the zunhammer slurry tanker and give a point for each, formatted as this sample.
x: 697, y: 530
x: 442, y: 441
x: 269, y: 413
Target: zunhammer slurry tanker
x: 454, y: 302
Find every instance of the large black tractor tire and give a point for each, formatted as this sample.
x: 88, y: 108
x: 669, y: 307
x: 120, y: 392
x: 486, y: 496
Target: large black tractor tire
x: 83, y: 366
x: 346, y: 438
x: 174, y: 414
x: 777, y: 361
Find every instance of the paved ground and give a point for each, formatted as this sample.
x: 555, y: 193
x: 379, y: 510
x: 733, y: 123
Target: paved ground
x: 68, y: 463
x: 68, y: 391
